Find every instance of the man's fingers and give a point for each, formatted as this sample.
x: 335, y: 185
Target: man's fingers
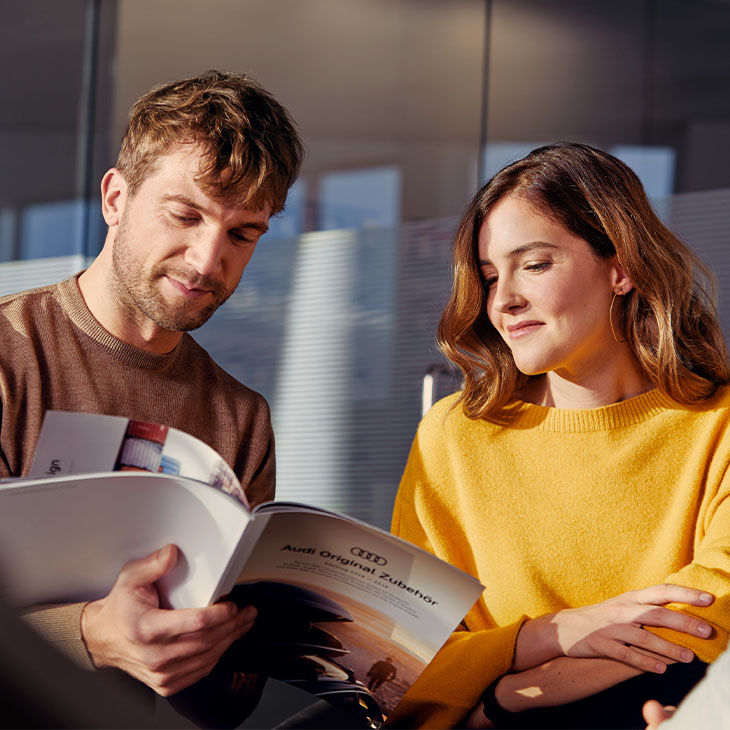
x: 246, y: 620
x: 148, y: 569
x: 196, y: 649
x: 168, y: 626
x: 172, y: 685
x: 170, y: 661
x: 226, y: 632
x: 179, y: 664
x: 166, y: 649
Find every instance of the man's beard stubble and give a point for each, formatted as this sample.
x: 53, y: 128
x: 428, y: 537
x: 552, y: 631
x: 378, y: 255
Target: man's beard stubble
x: 137, y: 288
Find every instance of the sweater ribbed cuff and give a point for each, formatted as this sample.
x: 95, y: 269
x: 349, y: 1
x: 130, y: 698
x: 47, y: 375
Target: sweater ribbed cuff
x: 60, y: 626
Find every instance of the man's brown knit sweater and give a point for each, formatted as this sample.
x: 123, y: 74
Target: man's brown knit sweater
x: 55, y: 355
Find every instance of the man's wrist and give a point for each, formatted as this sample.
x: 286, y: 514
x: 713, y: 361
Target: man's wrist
x: 86, y: 635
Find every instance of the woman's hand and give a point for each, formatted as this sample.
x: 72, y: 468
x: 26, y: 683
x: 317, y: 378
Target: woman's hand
x: 615, y: 628
x: 477, y: 718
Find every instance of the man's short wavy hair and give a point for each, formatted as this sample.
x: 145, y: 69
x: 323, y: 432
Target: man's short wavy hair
x: 253, y: 151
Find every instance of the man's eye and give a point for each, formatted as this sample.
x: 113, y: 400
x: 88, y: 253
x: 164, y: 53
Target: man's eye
x: 241, y: 238
x: 184, y: 218
x: 539, y: 266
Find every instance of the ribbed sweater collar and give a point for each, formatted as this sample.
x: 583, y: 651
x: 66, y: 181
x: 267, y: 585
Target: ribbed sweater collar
x: 625, y: 413
x: 69, y: 298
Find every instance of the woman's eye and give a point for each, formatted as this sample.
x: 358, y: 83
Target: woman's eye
x: 489, y: 282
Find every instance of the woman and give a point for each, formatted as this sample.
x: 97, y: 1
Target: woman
x: 580, y: 473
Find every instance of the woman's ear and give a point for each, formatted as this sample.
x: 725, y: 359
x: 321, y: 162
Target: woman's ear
x: 621, y: 281
x: 113, y: 196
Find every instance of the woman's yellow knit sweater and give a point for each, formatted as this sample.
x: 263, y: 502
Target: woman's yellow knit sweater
x: 564, y: 508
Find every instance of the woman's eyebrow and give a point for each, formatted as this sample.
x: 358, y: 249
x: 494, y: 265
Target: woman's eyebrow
x: 524, y: 248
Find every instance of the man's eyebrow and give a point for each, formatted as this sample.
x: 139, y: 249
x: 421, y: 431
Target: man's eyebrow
x: 176, y: 198
x: 255, y: 225
x: 524, y: 248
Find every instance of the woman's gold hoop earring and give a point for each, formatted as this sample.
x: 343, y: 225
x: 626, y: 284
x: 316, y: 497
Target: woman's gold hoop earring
x: 610, y: 320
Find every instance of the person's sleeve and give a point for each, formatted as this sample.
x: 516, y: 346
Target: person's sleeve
x: 60, y: 626
x: 468, y: 662
x: 709, y: 571
x: 259, y: 479
x: 4, y: 467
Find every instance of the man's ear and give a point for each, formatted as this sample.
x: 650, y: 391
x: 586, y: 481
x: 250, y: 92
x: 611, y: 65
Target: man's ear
x: 621, y: 281
x: 113, y: 196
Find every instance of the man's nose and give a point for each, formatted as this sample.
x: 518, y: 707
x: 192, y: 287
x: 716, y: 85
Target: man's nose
x: 205, y: 253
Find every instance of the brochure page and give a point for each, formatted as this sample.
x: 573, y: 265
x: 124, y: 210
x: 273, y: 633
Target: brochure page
x: 83, y: 443
x: 343, y: 604
x: 65, y: 539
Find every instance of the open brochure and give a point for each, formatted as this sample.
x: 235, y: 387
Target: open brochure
x: 345, y: 610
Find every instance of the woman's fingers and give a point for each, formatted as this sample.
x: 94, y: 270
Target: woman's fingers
x: 632, y: 657
x: 666, y: 618
x: 615, y: 627
x: 602, y: 645
x: 645, y: 640
x: 671, y: 593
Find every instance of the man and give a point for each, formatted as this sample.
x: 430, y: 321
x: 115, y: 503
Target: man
x: 203, y: 165
x: 381, y: 671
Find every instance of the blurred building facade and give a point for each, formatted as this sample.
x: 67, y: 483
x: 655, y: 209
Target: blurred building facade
x: 405, y: 107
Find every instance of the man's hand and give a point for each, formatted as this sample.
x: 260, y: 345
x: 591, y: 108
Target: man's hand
x: 168, y: 650
x: 655, y: 714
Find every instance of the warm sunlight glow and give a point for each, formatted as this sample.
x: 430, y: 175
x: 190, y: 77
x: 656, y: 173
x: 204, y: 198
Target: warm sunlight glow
x: 530, y: 692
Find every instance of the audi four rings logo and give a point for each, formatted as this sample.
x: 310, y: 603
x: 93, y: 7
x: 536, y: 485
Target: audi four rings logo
x: 367, y: 555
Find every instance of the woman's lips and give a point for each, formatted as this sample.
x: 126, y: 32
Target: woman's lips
x: 521, y: 329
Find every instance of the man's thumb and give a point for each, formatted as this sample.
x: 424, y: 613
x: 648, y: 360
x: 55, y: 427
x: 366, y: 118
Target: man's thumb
x: 151, y: 568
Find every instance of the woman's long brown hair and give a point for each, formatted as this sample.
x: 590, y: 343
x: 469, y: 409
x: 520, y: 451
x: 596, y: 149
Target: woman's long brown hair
x: 669, y: 316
